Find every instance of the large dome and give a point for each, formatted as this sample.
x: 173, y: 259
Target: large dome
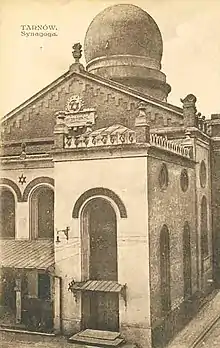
x: 124, y: 30
x: 123, y: 43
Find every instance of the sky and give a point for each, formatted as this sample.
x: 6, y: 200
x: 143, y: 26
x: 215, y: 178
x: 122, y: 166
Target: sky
x: 191, y: 39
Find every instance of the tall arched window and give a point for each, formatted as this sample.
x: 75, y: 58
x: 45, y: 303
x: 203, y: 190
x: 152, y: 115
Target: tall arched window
x: 204, y: 228
x: 7, y: 213
x: 42, y: 213
x: 165, y: 269
x: 187, y: 272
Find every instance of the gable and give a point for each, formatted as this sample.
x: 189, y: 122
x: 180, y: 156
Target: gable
x: 34, y: 121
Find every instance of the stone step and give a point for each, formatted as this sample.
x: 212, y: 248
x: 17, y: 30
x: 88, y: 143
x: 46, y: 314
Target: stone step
x: 97, y: 338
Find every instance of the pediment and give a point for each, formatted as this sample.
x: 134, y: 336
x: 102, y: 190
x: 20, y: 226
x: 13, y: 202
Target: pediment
x: 34, y: 120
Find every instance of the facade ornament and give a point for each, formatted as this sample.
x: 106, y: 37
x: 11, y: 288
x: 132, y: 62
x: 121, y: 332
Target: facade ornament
x: 142, y: 106
x: 187, y: 134
x: 77, y: 52
x: 22, y: 179
x: 74, y: 104
x: 189, y: 111
x: 189, y: 100
x: 23, y: 151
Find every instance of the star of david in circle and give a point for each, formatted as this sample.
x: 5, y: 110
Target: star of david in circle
x: 74, y: 103
x: 22, y: 179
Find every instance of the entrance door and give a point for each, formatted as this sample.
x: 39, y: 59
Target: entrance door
x: 101, y: 309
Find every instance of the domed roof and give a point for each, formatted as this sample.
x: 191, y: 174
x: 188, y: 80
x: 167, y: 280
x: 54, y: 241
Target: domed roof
x: 123, y: 30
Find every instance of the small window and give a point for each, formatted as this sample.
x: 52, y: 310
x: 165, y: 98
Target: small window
x: 202, y: 174
x: 163, y: 177
x: 184, y: 180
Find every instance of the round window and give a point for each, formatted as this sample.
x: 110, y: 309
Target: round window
x: 184, y: 180
x: 163, y: 177
x: 202, y: 174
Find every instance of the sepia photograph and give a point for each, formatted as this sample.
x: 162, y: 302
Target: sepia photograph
x: 110, y: 174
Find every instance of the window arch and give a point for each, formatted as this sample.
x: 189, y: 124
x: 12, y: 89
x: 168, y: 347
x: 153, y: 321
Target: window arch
x: 42, y: 212
x: 187, y: 271
x: 165, y: 269
x: 99, y: 191
x: 7, y: 213
x: 204, y: 228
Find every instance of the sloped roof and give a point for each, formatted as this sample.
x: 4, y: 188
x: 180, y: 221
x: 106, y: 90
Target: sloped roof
x: 38, y: 254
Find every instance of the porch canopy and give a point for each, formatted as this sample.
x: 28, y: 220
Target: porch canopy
x: 28, y: 254
x: 97, y: 285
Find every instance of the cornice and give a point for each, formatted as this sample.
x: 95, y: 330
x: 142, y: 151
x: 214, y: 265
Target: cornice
x: 30, y: 162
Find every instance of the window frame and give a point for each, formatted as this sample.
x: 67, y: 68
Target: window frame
x: 12, y: 235
x: 34, y: 213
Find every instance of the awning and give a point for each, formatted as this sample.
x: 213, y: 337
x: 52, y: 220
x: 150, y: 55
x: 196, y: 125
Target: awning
x: 96, y: 285
x: 29, y: 254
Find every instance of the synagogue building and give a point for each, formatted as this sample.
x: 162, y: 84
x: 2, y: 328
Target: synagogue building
x: 110, y: 204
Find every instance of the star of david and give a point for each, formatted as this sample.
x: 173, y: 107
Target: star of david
x: 74, y: 103
x: 22, y: 179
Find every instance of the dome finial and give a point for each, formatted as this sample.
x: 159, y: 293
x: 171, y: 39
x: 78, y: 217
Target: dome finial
x: 77, y: 52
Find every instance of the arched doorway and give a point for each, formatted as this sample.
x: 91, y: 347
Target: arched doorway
x: 99, y: 262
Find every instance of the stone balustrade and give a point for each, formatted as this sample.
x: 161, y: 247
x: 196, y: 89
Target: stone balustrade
x: 120, y: 136
x: 170, y: 145
x: 95, y: 139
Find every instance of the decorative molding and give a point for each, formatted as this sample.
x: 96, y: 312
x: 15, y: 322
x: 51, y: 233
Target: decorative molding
x: 13, y: 186
x: 35, y: 182
x: 99, y: 191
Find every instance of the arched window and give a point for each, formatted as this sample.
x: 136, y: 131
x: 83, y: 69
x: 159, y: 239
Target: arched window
x: 99, y: 240
x: 204, y: 228
x: 165, y: 269
x: 7, y: 213
x: 187, y: 272
x: 42, y: 213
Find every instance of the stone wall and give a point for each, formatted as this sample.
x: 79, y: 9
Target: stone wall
x: 172, y: 207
